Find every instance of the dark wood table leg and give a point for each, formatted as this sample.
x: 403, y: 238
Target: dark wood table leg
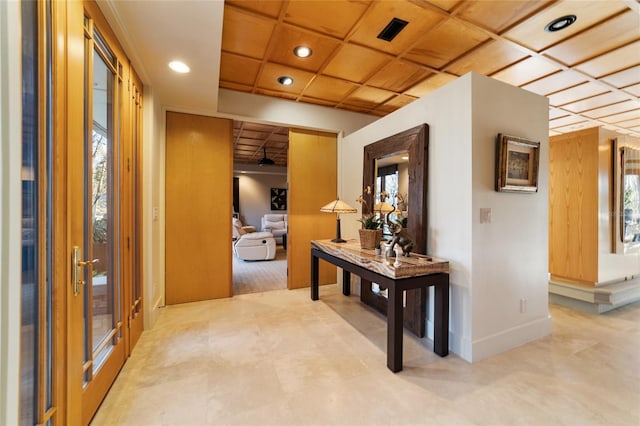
x: 394, y: 330
x: 314, y: 277
x: 346, y: 282
x: 441, y: 316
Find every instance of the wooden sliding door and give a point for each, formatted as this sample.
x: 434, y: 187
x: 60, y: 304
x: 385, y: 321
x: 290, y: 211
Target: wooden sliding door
x: 313, y: 177
x: 199, y: 176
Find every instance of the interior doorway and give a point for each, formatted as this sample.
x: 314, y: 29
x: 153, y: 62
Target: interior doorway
x: 260, y: 215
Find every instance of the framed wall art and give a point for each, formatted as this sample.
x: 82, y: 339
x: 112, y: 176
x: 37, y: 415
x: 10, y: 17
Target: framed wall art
x: 517, y: 161
x: 278, y: 199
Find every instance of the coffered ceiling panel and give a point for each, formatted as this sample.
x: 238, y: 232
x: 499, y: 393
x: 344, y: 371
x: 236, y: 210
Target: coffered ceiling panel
x: 611, y: 62
x: 582, y: 91
x: 398, y: 76
x: 613, y: 33
x: 595, y: 102
x: 525, y: 71
x: 269, y: 78
x: 531, y: 34
x: 445, y: 43
x: 420, y: 21
x: 239, y: 69
x: 569, y: 120
x: 366, y: 98
x: 332, y: 89
x: 619, y: 118
x: 429, y: 85
x: 269, y: 8
x: 557, y: 113
x: 633, y: 90
x: 626, y: 78
x: 287, y: 38
x: 590, y: 71
x: 500, y: 15
x: 394, y: 103
x: 335, y: 18
x: 487, y: 59
x: 355, y: 63
x: 245, y: 33
x: 611, y: 110
x: 555, y: 82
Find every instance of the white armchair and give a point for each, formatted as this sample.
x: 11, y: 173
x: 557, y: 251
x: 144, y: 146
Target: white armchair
x: 277, y: 225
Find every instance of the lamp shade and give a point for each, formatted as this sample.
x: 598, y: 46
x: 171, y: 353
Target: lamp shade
x: 383, y: 207
x: 338, y: 206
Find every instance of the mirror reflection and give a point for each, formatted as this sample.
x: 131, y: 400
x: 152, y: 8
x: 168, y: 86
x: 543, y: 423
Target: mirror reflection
x: 392, y: 187
x: 630, y: 196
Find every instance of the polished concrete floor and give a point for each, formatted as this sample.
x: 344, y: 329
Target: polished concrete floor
x: 277, y: 358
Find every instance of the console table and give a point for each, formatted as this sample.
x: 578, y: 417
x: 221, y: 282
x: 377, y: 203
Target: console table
x: 416, y: 271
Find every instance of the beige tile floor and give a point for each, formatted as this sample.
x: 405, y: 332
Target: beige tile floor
x: 277, y: 358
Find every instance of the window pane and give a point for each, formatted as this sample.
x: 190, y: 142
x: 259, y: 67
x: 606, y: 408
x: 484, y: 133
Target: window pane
x: 29, y: 276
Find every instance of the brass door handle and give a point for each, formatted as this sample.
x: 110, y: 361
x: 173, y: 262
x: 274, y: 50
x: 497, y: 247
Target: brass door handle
x: 87, y: 262
x: 76, y: 269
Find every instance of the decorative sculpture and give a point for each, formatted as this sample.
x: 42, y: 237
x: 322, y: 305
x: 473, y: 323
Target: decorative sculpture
x: 400, y: 238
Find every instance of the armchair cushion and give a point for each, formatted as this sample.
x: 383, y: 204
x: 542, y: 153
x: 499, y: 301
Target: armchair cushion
x: 255, y: 246
x: 276, y: 224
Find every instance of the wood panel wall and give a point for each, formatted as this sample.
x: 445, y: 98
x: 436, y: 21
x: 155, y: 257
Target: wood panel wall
x: 573, y: 207
x: 313, y: 177
x: 199, y: 172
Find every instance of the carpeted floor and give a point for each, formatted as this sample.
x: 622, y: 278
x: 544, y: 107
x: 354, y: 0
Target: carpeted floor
x: 261, y: 275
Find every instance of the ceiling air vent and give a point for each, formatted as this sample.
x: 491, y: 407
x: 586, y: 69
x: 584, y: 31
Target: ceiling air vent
x: 392, y: 29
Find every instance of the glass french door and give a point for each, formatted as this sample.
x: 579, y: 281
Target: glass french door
x: 97, y: 259
x: 81, y: 284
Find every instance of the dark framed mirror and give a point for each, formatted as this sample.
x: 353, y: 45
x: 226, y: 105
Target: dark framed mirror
x: 627, y: 165
x: 414, y: 143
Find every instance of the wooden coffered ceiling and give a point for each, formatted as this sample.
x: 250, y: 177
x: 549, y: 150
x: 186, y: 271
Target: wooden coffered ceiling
x: 251, y: 139
x: 590, y: 71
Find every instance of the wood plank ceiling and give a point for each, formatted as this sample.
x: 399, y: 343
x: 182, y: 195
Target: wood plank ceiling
x: 590, y: 71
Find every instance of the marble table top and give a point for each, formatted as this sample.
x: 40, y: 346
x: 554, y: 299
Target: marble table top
x: 413, y: 266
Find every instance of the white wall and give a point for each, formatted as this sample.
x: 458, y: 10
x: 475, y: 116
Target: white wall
x: 152, y: 207
x: 10, y: 196
x: 510, y: 254
x: 255, y: 196
x: 265, y: 109
x: 464, y: 118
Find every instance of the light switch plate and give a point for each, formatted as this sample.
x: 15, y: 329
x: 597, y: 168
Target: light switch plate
x: 485, y: 215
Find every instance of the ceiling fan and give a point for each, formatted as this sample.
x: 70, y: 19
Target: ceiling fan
x: 264, y: 160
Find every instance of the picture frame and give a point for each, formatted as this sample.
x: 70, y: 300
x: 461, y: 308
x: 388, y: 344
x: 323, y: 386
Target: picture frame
x: 278, y: 199
x: 517, y: 163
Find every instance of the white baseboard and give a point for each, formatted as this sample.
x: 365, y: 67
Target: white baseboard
x: 509, y: 339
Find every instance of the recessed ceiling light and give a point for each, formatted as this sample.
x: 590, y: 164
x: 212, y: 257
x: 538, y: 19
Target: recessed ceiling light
x: 285, y: 80
x: 405, y: 158
x: 302, y: 51
x: 560, y: 23
x: 179, y: 67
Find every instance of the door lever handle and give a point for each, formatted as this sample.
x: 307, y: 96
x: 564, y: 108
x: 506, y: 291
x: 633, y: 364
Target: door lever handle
x: 76, y: 269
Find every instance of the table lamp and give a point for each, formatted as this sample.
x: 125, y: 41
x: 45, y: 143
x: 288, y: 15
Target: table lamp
x: 338, y: 206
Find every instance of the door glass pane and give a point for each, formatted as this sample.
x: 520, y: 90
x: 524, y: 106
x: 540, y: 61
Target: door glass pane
x: 37, y: 189
x: 30, y: 269
x: 100, y: 294
x: 48, y: 211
